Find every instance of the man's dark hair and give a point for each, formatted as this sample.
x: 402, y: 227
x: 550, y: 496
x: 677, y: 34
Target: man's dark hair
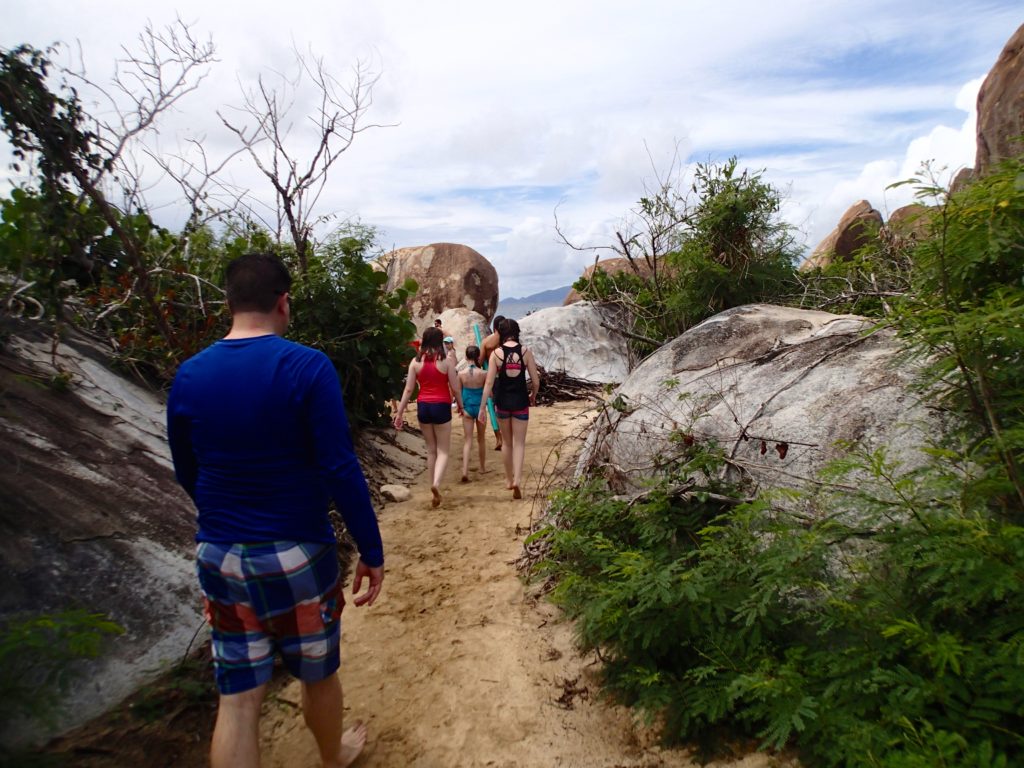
x: 496, y: 322
x: 255, y: 281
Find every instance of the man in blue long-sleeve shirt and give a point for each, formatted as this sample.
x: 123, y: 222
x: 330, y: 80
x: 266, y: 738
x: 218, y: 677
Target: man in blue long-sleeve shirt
x: 260, y: 441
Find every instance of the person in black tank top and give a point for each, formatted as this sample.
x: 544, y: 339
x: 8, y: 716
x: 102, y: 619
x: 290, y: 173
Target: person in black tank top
x: 513, y: 396
x: 510, y: 392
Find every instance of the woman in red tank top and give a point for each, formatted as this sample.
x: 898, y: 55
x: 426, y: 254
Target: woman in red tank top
x: 435, y: 374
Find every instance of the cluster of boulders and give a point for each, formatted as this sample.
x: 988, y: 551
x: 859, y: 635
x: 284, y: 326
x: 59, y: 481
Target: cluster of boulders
x: 95, y: 517
x: 1000, y: 136
x: 459, y: 287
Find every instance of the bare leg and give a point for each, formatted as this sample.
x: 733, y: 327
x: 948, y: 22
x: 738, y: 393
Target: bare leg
x: 430, y: 438
x: 236, y: 736
x: 322, y: 709
x: 506, y: 455
x: 518, y: 453
x: 467, y: 444
x: 443, y: 433
x: 481, y: 439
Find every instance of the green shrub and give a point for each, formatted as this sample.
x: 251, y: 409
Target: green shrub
x: 727, y: 248
x: 39, y: 659
x: 886, y: 628
x: 341, y: 307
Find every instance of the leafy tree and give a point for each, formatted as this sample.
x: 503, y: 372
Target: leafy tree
x: 965, y: 311
x: 74, y: 159
x: 341, y: 307
x: 720, y: 246
x: 737, y: 250
x: 155, y: 294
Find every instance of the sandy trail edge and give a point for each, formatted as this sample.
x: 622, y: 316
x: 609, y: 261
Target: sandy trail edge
x: 456, y: 665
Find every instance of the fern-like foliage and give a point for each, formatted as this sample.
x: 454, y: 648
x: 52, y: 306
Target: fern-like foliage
x: 886, y: 630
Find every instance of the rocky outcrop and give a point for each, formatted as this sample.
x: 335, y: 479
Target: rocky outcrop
x: 856, y: 228
x: 911, y: 221
x: 1001, y: 107
x: 611, y: 266
x: 92, y: 516
x: 779, y: 389
x: 449, y: 276
x: 572, y: 340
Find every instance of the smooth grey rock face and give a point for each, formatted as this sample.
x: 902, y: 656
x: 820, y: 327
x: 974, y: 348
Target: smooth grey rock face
x: 779, y: 389
x: 92, y: 516
x: 572, y: 340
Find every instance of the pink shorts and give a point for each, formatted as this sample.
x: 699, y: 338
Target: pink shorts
x: 522, y: 415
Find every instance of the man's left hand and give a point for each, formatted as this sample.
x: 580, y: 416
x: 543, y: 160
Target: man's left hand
x: 376, y: 577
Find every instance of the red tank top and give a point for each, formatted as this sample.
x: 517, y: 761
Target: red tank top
x: 433, y: 384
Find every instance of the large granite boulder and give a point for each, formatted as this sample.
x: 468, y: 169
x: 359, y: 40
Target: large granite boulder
x: 576, y: 340
x: 856, y: 228
x: 1001, y: 107
x: 91, y: 515
x: 612, y: 266
x: 779, y: 389
x: 448, y: 275
x: 911, y: 221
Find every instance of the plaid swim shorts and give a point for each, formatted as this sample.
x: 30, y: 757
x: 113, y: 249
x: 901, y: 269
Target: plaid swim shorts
x: 262, y: 599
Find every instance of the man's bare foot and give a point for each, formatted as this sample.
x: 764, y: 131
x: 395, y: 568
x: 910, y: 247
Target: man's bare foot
x: 352, y: 742
x: 516, y: 493
x: 465, y: 479
x: 436, y: 501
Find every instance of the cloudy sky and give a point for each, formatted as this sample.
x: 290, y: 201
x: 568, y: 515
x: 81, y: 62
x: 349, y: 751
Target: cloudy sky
x: 499, y: 114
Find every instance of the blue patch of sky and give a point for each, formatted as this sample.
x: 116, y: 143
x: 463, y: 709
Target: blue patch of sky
x: 886, y: 64
x: 714, y: 154
x: 907, y: 125
x: 500, y: 196
x: 924, y: 59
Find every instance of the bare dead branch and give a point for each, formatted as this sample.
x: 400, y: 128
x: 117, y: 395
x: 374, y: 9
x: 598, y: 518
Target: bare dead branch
x: 263, y: 131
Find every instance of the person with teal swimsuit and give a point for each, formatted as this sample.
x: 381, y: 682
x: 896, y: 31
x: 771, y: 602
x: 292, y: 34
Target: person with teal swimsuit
x: 472, y: 381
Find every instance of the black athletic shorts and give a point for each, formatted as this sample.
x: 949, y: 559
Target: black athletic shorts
x: 434, y: 413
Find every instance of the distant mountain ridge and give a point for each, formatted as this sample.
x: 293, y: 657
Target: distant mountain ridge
x: 519, y: 308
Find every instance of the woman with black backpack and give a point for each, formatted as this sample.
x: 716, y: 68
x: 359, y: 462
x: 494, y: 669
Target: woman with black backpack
x: 513, y: 395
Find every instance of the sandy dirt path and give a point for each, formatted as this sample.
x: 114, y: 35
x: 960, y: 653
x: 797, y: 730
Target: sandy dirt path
x: 456, y: 664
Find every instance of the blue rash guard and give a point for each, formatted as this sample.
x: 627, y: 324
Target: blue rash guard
x: 260, y: 441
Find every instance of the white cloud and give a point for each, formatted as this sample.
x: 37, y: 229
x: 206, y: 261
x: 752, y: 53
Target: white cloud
x: 503, y: 111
